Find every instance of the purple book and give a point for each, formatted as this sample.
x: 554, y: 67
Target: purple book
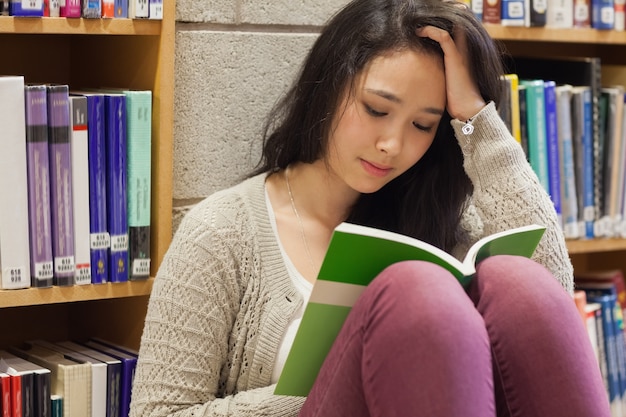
x: 38, y: 186
x: 117, y: 214
x: 59, y: 134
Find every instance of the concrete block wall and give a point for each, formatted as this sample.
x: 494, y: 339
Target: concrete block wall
x: 234, y: 59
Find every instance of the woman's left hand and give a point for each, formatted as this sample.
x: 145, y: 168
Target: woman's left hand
x: 463, y: 96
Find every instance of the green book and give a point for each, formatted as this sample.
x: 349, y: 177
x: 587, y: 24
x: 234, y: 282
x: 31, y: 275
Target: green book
x: 536, y: 130
x: 355, y: 256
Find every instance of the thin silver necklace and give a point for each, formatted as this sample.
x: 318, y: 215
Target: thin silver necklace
x: 295, y: 212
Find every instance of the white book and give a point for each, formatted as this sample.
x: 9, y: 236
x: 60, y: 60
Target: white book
x: 569, y: 200
x: 98, y: 375
x: 138, y: 9
x: 560, y: 14
x: 14, y: 239
x: 80, y: 189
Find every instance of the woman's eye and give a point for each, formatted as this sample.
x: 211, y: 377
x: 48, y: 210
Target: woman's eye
x: 422, y: 127
x: 373, y: 112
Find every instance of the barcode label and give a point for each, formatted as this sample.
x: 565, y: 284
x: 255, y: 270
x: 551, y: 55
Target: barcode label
x: 83, y: 274
x: 43, y: 270
x: 64, y: 264
x: 99, y: 240
x: 141, y: 267
x: 14, y: 275
x: 119, y: 243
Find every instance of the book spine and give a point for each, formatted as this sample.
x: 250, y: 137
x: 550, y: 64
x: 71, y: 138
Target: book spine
x: 582, y: 13
x: 92, y: 9
x: 32, y: 8
x: 513, y: 13
x: 121, y: 8
x: 51, y: 8
x: 523, y: 118
x: 56, y: 406
x: 117, y: 203
x: 4, y: 7
x: 80, y: 189
x: 620, y: 16
x: 569, y: 203
x: 139, y: 117
x: 492, y: 11
x: 537, y: 143
x: 14, y: 231
x: 156, y: 9
x: 59, y: 131
x: 108, y: 9
x: 71, y: 8
x: 553, y: 147
x: 42, y: 387
x: 16, y: 396
x: 99, y: 239
x: 602, y: 14
x: 5, y: 395
x: 28, y: 394
x: 610, y: 346
x: 41, y: 261
x: 537, y: 13
x: 138, y: 9
x: 588, y: 196
x: 560, y: 14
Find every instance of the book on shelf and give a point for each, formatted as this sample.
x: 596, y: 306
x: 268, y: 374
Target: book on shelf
x: 560, y: 14
x: 619, y: 24
x: 71, y: 8
x: 613, y: 159
x: 129, y: 363
x: 108, y: 9
x: 60, y: 156
x: 156, y: 9
x: 121, y: 8
x: 5, y: 395
x: 138, y: 9
x: 92, y: 9
x: 56, y: 406
x: 22, y: 8
x: 139, y: 123
x: 99, y: 382
x: 117, y: 185
x: 536, y: 130
x: 583, y: 150
x: 602, y: 14
x: 51, y: 8
x: 582, y: 13
x: 14, y: 230
x: 552, y: 146
x: 37, y: 148
x: 513, y: 12
x: 523, y: 118
x: 535, y: 14
x: 4, y: 7
x: 355, y: 256
x: 569, y: 198
x: 99, y: 240
x: 69, y: 379
x: 114, y: 374
x: 36, y: 384
x: 16, y: 397
x: 80, y: 189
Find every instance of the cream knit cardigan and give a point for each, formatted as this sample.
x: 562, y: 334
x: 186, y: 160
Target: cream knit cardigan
x: 222, y: 298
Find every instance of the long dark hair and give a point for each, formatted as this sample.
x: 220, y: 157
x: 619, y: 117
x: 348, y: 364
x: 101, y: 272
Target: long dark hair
x: 426, y: 201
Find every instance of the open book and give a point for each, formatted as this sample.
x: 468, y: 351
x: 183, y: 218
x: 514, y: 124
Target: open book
x: 355, y: 256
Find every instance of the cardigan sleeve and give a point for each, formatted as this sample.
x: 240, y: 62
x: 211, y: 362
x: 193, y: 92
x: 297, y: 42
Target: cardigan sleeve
x: 507, y: 192
x: 190, y: 346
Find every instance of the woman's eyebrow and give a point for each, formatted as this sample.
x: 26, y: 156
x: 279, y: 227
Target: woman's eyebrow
x: 393, y: 98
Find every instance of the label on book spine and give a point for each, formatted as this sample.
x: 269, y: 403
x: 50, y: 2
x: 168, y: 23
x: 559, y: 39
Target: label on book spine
x: 43, y: 270
x: 63, y: 265
x: 119, y: 243
x: 15, y: 275
x: 100, y: 240
x: 141, y: 267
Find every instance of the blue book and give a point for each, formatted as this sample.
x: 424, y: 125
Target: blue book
x: 98, y: 228
x: 602, y: 14
x: 129, y: 363
x: 61, y: 202
x: 536, y: 130
x: 121, y: 8
x: 26, y: 8
x: 582, y: 127
x: 552, y: 137
x: 41, y: 261
x: 117, y: 200
x: 613, y: 344
x: 513, y: 13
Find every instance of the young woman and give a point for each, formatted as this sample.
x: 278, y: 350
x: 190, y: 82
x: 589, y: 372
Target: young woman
x: 392, y: 123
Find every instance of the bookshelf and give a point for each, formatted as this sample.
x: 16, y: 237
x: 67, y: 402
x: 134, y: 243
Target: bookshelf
x: 136, y: 54
x: 548, y: 42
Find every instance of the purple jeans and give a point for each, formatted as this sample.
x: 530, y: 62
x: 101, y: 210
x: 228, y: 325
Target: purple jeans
x: 417, y: 344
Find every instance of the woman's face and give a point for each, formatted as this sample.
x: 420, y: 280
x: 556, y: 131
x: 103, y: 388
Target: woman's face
x: 390, y: 120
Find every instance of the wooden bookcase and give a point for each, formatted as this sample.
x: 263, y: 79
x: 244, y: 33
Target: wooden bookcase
x: 610, y: 46
x: 136, y: 54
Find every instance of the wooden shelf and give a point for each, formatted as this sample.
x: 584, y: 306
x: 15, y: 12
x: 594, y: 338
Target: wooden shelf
x: 54, y: 295
x: 542, y: 34
x: 575, y: 247
x: 78, y: 26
